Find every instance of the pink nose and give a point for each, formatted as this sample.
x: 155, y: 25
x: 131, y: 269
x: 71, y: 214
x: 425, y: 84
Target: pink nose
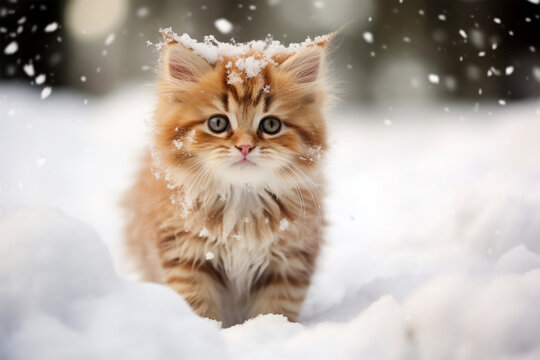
x: 244, y: 149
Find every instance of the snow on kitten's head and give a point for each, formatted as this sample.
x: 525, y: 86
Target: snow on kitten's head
x: 240, y: 114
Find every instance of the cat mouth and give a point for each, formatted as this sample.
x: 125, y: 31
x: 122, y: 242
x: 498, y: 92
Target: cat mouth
x: 244, y: 162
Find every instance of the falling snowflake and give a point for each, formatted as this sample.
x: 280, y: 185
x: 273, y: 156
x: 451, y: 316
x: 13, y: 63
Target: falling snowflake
x: 110, y: 39
x: 368, y: 37
x: 11, y: 48
x: 51, y: 27
x: 433, y: 78
x: 29, y: 69
x: 40, y: 79
x: 143, y: 12
x: 223, y: 25
x: 46, y: 92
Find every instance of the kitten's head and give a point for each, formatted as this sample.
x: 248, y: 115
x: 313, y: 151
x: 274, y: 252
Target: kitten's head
x: 248, y: 118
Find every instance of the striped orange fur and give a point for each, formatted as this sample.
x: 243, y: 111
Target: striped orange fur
x: 234, y: 238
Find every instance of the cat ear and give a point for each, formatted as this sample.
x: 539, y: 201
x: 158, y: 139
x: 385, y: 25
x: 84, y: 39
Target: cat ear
x: 308, y: 64
x: 182, y: 64
x: 305, y: 65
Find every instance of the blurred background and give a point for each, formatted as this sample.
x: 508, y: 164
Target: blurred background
x: 389, y: 50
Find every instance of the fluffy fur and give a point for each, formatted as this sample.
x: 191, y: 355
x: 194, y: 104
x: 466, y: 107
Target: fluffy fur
x: 234, y: 239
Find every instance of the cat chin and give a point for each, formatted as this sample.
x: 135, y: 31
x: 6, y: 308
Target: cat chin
x: 246, y: 174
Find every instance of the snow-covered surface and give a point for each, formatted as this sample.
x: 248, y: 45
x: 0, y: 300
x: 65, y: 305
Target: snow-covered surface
x: 433, y: 247
x: 61, y: 299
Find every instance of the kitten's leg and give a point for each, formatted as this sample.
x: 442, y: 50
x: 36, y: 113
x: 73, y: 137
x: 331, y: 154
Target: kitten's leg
x: 280, y: 294
x: 283, y: 287
x: 199, y: 284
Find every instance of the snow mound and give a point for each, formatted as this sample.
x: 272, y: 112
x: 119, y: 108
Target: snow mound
x: 451, y: 317
x: 61, y: 299
x: 518, y: 260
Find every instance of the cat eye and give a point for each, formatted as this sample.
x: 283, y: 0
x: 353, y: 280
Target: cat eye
x: 218, y: 123
x: 270, y: 125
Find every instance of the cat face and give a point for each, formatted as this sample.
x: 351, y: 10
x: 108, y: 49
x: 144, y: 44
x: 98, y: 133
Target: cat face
x: 227, y: 123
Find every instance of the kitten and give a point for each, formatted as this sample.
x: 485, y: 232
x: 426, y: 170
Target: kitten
x: 227, y: 210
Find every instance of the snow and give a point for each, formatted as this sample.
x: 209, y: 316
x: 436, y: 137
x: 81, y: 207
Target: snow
x: 518, y: 260
x: 46, y: 92
x: 41, y: 161
x: 433, y: 78
x: 204, y: 232
x: 509, y: 70
x: 213, y: 50
x: 143, y: 12
x: 178, y: 144
x: 223, y: 25
x: 40, y: 79
x: 90, y: 313
x: 283, y: 224
x: 83, y: 78
x: 368, y: 37
x: 51, y: 27
x: 463, y: 33
x: 11, y: 48
x: 251, y: 65
x: 431, y: 250
x: 536, y: 73
x: 109, y: 39
x: 209, y: 255
x: 29, y: 69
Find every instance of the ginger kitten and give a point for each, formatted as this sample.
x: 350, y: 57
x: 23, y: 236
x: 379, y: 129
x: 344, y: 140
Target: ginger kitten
x: 227, y: 209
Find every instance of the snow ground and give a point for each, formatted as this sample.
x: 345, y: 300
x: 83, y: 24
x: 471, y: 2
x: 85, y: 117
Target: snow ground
x: 433, y: 245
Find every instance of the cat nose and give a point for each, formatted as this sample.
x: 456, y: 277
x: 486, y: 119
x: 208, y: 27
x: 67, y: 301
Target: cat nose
x: 245, y: 149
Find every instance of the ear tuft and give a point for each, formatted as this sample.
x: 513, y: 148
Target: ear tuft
x: 305, y: 65
x: 182, y: 64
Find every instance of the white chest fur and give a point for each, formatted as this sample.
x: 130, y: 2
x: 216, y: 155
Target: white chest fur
x: 245, y: 240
